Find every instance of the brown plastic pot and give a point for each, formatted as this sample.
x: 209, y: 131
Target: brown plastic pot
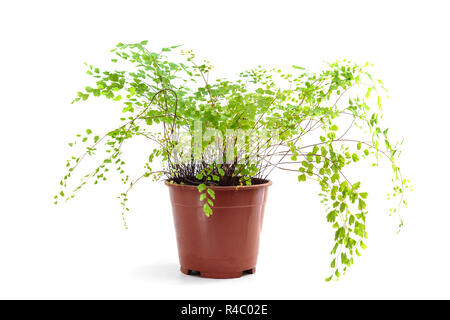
x: 224, y: 245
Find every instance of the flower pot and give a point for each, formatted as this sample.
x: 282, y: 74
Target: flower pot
x: 224, y: 245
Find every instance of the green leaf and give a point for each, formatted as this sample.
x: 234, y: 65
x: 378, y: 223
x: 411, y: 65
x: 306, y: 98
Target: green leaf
x: 211, y: 193
x: 335, y: 177
x: 201, y: 187
x: 302, y: 177
x: 351, y: 219
x: 207, y: 210
x: 359, y: 229
x: 361, y: 204
x: 331, y: 216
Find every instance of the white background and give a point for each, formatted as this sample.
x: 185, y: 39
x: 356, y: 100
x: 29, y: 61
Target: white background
x: 80, y: 250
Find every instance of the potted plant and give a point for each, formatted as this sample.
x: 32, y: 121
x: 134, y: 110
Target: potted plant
x: 217, y: 142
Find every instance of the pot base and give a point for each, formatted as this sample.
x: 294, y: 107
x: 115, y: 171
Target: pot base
x: 217, y: 275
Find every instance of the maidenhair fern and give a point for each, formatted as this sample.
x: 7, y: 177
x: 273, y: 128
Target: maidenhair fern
x: 313, y: 124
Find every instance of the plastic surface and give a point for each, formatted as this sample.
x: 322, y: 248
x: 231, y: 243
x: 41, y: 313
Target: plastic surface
x: 224, y: 245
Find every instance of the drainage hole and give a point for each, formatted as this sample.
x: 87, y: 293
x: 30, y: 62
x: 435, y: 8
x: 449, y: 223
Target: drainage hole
x: 249, y: 271
x: 194, y: 273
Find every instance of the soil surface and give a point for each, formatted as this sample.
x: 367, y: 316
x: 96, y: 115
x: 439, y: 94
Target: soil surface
x: 226, y: 181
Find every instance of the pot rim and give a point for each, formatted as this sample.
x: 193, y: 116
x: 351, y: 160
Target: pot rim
x: 187, y: 186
